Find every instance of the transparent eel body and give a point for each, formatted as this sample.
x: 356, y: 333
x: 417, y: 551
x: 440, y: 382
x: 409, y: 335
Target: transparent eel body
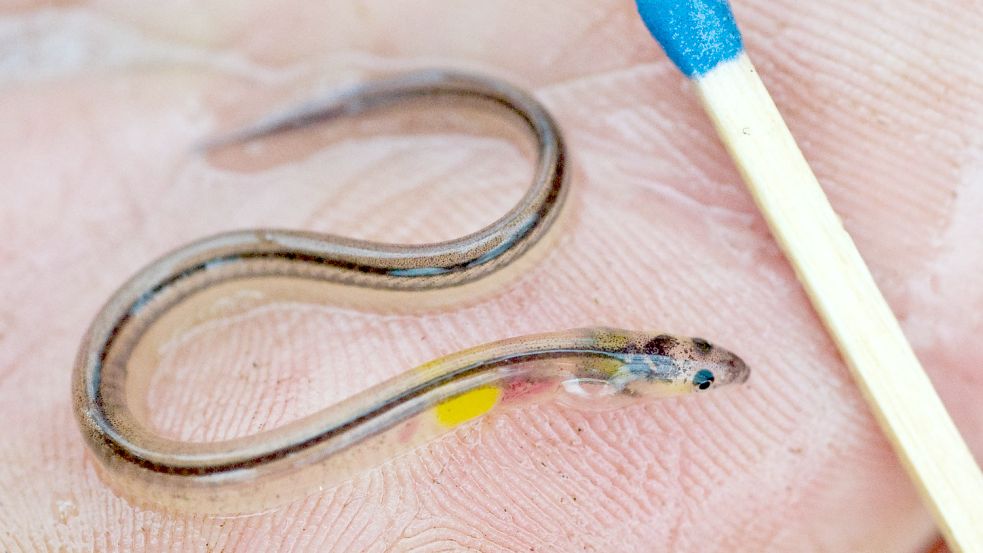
x: 590, y: 366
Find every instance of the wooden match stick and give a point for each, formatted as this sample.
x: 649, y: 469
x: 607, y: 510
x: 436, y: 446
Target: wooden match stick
x: 702, y: 39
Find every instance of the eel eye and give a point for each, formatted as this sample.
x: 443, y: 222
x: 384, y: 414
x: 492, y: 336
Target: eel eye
x: 703, y: 379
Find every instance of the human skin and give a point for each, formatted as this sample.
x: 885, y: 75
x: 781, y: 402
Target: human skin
x: 103, y: 103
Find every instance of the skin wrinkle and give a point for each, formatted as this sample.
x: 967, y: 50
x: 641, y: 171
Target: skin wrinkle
x: 477, y: 501
x: 603, y: 141
x: 400, y: 164
x: 81, y: 41
x: 849, y: 425
x: 838, y: 45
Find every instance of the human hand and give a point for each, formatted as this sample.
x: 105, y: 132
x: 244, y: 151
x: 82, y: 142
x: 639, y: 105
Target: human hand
x: 104, y: 104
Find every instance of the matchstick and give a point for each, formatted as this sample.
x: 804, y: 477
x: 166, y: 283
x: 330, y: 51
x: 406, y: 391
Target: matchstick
x: 702, y: 39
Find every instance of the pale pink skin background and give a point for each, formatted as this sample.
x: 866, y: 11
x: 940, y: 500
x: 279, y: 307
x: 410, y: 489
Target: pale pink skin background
x: 103, y: 101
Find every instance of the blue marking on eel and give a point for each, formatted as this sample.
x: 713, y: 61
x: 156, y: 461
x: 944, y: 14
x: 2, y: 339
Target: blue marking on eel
x: 418, y: 271
x: 697, y: 35
x: 506, y: 244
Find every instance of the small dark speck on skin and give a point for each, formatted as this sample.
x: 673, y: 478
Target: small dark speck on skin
x: 255, y: 365
x: 795, y: 450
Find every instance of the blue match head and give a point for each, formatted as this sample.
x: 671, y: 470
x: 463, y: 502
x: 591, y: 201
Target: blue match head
x: 697, y: 35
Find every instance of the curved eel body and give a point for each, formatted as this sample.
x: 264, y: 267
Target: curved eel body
x: 271, y: 467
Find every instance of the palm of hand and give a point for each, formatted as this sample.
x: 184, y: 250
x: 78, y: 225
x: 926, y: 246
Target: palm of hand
x: 661, y: 235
